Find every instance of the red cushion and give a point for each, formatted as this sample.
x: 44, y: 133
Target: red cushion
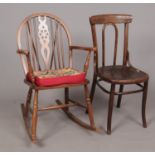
x: 57, y: 77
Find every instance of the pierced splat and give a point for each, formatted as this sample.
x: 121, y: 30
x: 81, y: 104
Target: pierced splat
x: 43, y: 34
x: 47, y: 42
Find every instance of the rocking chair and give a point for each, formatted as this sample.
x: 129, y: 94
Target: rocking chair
x: 45, y: 49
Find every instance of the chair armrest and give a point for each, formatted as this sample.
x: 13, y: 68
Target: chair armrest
x: 24, y: 52
x: 89, y: 49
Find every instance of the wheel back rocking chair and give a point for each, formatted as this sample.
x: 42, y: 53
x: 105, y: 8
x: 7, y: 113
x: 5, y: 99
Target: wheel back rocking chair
x: 45, y: 49
x: 115, y: 74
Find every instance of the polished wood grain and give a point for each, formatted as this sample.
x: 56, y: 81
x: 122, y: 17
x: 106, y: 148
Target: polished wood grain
x: 122, y: 74
x: 111, y: 18
x: 43, y: 41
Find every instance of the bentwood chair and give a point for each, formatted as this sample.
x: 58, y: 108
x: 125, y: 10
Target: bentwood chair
x: 46, y: 52
x: 115, y: 74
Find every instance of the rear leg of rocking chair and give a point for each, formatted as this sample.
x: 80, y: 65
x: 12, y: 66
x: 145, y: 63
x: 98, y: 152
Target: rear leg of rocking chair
x: 90, y: 125
x: 92, y: 92
x: 75, y: 119
x: 89, y: 107
x: 34, y: 117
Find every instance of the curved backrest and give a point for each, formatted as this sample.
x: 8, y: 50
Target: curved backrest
x: 47, y: 39
x: 113, y: 20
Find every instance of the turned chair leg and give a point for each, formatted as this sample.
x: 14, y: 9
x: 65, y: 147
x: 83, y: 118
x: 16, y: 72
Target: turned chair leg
x: 144, y: 104
x: 34, y: 117
x: 120, y: 96
x: 66, y: 97
x: 28, y: 101
x: 93, y: 87
x: 89, y: 106
x: 110, y: 108
x: 92, y: 90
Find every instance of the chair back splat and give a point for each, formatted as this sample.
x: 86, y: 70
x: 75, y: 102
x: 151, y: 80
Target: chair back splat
x: 47, y: 42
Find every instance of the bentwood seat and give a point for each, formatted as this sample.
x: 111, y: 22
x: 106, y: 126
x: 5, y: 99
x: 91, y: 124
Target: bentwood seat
x: 46, y: 52
x: 117, y: 73
x: 122, y: 74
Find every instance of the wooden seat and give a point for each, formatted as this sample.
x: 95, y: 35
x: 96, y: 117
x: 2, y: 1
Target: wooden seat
x: 115, y: 74
x: 122, y: 74
x: 46, y: 53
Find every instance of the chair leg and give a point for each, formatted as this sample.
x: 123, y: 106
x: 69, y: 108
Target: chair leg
x: 91, y: 124
x: 120, y: 96
x: 92, y: 90
x: 66, y: 97
x: 89, y: 106
x: 93, y: 87
x: 28, y: 101
x: 110, y: 108
x: 34, y: 117
x: 144, y: 104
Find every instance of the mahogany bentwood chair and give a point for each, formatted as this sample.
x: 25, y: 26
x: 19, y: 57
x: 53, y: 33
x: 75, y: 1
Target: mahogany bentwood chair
x: 46, y: 51
x: 124, y: 74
